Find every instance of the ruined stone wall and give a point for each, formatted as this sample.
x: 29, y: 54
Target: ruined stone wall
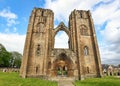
x: 36, y: 46
x: 41, y: 59
x: 83, y: 42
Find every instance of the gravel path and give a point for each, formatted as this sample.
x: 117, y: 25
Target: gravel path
x: 65, y: 83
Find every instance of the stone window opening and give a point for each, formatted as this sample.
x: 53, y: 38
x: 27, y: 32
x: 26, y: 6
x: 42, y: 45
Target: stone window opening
x: 80, y: 14
x: 65, y: 72
x: 59, y: 43
x: 42, y: 13
x: 38, y: 49
x: 110, y: 73
x: 38, y: 29
x: 62, y: 71
x: 36, y: 70
x: 49, y: 65
x: 88, y: 71
x: 59, y: 71
x: 86, y: 51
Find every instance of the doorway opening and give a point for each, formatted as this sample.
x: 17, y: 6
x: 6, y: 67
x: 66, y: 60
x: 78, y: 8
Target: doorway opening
x: 62, y: 70
x: 62, y: 66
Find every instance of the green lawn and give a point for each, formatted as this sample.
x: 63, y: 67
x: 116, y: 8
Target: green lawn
x: 13, y: 79
x: 106, y: 81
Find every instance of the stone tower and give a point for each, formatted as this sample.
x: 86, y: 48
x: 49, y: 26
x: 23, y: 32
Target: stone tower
x: 40, y: 58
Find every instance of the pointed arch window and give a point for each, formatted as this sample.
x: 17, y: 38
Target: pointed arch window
x: 88, y: 70
x: 37, y: 69
x: 86, y: 51
x: 49, y: 65
x: 83, y: 30
x: 61, y: 40
x: 80, y: 14
x: 42, y: 13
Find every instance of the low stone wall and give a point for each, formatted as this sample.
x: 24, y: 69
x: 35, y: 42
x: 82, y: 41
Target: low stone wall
x: 9, y: 69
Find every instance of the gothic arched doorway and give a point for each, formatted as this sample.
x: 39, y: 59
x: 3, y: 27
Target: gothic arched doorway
x: 62, y: 66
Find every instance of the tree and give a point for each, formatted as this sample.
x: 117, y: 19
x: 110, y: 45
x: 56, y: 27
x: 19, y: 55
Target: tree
x: 16, y: 59
x: 4, y: 57
x: 9, y: 59
x: 118, y: 65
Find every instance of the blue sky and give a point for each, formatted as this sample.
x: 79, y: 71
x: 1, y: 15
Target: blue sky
x: 22, y: 9
x: 14, y: 17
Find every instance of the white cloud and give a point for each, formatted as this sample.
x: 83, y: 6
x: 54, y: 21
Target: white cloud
x: 9, y: 16
x: 6, y: 13
x: 109, y: 56
x: 111, y: 53
x: 62, y: 8
x: 11, y: 22
x: 104, y: 12
x: 7, y: 30
x: 13, y: 42
x: 113, y: 28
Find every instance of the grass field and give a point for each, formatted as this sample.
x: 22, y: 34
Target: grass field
x: 13, y: 79
x: 106, y: 81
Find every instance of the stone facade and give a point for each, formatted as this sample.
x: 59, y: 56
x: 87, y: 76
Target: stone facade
x: 110, y: 70
x: 41, y: 59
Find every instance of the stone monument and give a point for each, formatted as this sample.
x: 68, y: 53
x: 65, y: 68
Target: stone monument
x: 40, y: 59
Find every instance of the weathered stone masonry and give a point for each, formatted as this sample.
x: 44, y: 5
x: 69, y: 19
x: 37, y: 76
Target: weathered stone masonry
x: 41, y: 59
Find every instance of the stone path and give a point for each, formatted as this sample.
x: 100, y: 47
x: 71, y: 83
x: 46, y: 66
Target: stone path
x: 65, y: 83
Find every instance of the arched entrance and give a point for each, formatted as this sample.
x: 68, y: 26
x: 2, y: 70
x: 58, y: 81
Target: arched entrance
x: 62, y: 66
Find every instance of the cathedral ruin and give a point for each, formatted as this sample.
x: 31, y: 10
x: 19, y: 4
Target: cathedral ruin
x: 40, y: 59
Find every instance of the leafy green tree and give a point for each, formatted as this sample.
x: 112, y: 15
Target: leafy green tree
x: 9, y: 59
x: 16, y: 59
x: 118, y: 65
x: 4, y: 57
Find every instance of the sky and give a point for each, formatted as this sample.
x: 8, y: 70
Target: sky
x: 14, y: 17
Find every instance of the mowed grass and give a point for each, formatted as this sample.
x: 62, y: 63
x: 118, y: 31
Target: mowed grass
x: 13, y: 79
x: 105, y: 81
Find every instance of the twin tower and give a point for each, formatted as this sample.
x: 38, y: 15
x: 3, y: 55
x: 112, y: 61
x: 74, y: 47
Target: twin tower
x: 40, y: 58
